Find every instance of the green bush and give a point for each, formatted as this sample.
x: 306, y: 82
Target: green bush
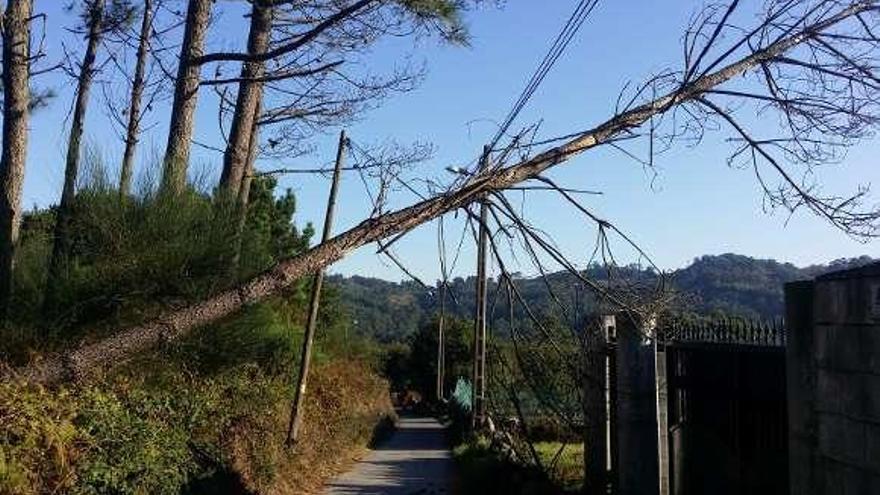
x: 210, y: 406
x: 37, y: 439
x: 131, y: 444
x: 483, y: 471
x: 130, y: 257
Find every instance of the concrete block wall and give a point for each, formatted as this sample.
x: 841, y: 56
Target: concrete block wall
x: 834, y: 383
x: 637, y: 447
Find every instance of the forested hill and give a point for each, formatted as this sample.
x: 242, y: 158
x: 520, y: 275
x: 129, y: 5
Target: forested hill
x: 729, y: 284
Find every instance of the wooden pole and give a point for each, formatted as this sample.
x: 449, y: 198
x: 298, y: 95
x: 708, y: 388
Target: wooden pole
x: 296, y: 413
x: 478, y: 410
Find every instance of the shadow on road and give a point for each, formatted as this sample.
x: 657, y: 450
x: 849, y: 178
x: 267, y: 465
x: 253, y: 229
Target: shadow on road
x: 415, y: 460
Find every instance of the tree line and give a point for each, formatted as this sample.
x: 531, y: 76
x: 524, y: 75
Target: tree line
x: 295, y: 77
x: 728, y: 285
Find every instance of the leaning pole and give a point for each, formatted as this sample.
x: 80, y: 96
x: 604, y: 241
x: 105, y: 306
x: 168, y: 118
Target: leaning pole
x: 297, y: 410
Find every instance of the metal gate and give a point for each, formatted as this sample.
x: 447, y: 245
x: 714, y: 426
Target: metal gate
x: 728, y: 424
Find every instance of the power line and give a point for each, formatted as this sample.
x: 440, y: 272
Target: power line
x: 573, y: 24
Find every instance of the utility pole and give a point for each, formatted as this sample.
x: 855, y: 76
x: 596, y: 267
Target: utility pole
x: 662, y: 406
x: 296, y: 413
x: 478, y: 411
x: 441, y: 345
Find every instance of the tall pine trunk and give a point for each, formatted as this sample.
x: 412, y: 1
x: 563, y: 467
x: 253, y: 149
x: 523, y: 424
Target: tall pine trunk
x: 134, y: 108
x: 61, y: 247
x: 244, y: 190
x: 235, y: 158
x: 16, y: 98
x: 186, y: 93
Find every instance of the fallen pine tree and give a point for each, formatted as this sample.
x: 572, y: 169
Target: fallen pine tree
x: 766, y: 46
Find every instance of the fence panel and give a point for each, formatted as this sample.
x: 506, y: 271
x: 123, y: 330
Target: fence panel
x: 728, y: 427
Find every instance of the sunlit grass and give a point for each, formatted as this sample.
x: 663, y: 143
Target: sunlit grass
x: 566, y: 467
x: 484, y: 471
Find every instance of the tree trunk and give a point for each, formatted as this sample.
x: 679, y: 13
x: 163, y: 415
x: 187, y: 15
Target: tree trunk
x: 244, y: 190
x: 134, y: 108
x: 253, y: 150
x: 250, y: 90
x: 186, y: 93
x: 16, y: 97
x: 61, y: 247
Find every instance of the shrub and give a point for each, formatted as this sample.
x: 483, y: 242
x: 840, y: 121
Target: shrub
x: 131, y: 256
x: 130, y: 443
x: 483, y: 471
x: 38, y: 439
x: 199, y: 415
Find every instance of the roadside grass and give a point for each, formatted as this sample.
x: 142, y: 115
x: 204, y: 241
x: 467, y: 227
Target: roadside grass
x: 566, y: 467
x: 194, y: 417
x: 483, y: 471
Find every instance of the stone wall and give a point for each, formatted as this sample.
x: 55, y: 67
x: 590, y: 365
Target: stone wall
x: 833, y: 368
x: 637, y: 449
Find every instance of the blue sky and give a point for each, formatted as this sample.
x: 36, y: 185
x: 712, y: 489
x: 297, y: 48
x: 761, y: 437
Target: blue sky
x: 693, y: 205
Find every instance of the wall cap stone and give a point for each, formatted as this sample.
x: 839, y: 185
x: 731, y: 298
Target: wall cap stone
x: 867, y: 271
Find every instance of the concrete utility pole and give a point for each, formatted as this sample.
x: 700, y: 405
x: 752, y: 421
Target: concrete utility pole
x: 662, y: 408
x: 441, y: 347
x: 478, y: 411
x: 296, y: 413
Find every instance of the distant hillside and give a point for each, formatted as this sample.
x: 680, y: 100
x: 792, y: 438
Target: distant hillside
x: 729, y: 284
x: 383, y: 309
x: 739, y: 285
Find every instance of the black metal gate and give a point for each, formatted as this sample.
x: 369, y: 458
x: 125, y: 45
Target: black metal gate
x: 728, y: 425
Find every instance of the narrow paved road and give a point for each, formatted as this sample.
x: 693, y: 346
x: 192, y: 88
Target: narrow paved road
x: 415, y: 461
